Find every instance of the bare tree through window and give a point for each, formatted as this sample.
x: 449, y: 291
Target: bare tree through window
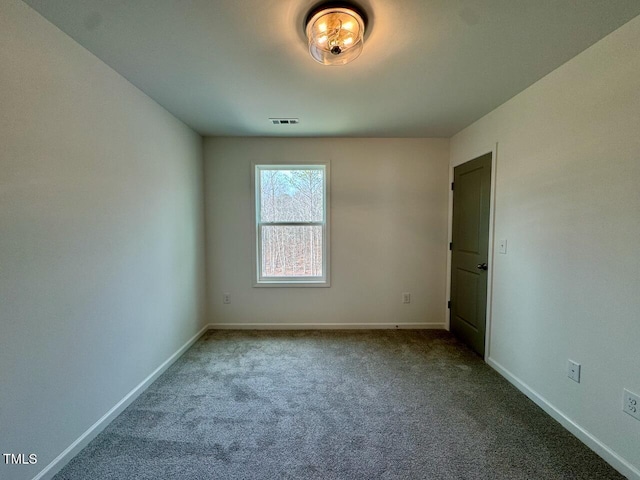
x: 291, y: 220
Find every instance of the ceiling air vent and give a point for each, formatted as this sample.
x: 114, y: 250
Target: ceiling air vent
x: 284, y: 121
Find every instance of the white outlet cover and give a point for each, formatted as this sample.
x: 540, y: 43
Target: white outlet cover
x: 631, y: 404
x: 573, y: 371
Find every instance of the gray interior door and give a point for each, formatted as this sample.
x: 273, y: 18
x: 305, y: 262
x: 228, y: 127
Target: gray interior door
x: 470, y: 250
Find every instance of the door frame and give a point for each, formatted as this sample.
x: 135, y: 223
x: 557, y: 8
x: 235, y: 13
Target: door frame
x: 493, y: 150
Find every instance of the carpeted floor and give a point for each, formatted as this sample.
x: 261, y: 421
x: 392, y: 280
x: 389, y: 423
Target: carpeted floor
x: 333, y: 405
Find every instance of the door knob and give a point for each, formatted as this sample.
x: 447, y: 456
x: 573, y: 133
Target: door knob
x: 482, y: 266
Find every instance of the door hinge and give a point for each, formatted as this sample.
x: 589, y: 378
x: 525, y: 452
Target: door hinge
x: 449, y: 304
x: 450, y: 245
x: 451, y: 185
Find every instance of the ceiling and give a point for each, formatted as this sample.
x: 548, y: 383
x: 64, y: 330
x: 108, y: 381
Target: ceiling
x: 429, y: 67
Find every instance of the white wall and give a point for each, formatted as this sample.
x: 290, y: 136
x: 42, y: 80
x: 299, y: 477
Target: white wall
x: 568, y: 201
x: 101, y: 238
x: 388, y: 232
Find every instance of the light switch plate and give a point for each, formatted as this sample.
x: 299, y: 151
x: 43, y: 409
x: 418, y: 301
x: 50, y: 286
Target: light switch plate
x: 502, y: 246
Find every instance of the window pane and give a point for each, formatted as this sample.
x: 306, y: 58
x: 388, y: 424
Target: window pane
x: 291, y: 195
x: 291, y: 251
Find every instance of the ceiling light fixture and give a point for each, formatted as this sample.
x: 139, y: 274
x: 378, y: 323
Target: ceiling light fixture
x: 335, y: 31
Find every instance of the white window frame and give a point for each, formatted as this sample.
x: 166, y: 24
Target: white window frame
x: 289, y: 281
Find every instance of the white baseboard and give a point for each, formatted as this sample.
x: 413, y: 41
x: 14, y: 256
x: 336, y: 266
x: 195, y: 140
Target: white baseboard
x: 61, y: 460
x: 327, y: 326
x: 611, y: 457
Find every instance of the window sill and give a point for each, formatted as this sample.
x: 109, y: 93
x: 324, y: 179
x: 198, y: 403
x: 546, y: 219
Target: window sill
x: 296, y: 284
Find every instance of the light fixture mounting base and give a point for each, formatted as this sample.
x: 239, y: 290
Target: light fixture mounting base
x: 318, y: 7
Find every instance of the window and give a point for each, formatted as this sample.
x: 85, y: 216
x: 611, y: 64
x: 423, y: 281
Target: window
x: 291, y: 225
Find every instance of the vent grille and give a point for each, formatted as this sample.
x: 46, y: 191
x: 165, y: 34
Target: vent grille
x: 285, y: 121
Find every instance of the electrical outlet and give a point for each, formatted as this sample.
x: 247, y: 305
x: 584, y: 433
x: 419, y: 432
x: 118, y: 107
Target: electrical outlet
x: 226, y: 298
x: 406, y: 297
x: 631, y: 404
x: 573, y: 371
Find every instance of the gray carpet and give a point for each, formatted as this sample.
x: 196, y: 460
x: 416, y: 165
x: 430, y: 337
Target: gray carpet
x: 333, y: 405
